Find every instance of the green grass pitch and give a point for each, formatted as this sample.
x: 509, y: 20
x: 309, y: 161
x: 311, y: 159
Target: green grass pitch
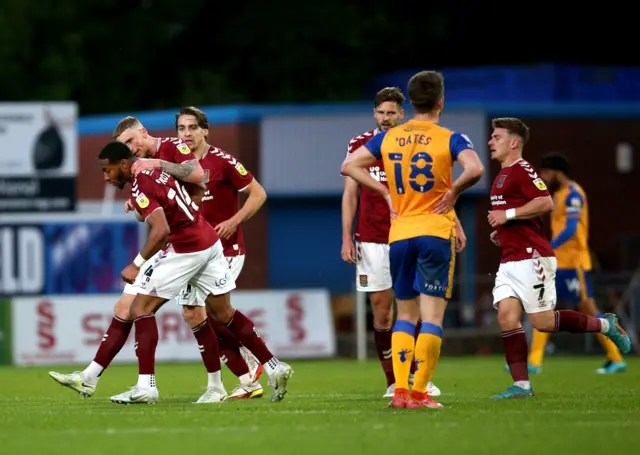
x: 333, y: 407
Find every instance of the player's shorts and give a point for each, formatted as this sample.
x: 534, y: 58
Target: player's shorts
x: 131, y: 289
x: 422, y: 265
x: 190, y: 296
x: 574, y: 285
x: 207, y: 271
x: 531, y: 281
x: 372, y: 267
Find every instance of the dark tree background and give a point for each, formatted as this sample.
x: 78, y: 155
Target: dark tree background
x: 123, y: 55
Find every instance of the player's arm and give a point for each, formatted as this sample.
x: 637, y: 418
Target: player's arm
x: 349, y: 208
x: 157, y: 236
x: 256, y: 197
x: 472, y: 169
x: 355, y: 167
x: 573, y: 204
x: 462, y: 151
x: 188, y: 171
x: 535, y: 208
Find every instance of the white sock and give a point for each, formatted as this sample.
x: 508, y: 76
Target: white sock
x: 245, y: 379
x: 605, y: 325
x: 92, y: 373
x: 523, y: 384
x: 215, y: 380
x: 271, y: 366
x: 147, y: 381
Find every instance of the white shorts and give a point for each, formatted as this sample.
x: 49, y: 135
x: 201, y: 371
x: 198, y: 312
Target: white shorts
x: 372, y: 267
x: 190, y: 296
x: 207, y: 271
x: 131, y: 289
x: 532, y: 281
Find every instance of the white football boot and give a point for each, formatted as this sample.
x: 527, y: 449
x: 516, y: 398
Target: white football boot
x: 255, y: 368
x: 432, y: 390
x: 74, y: 381
x: 212, y: 395
x: 278, y: 381
x: 245, y: 391
x: 390, y: 391
x: 137, y: 395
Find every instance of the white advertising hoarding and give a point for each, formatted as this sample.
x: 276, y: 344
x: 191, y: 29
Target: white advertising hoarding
x: 68, y: 329
x: 38, y: 156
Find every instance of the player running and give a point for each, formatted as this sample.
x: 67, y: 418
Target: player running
x: 526, y: 276
x: 570, y: 233
x: 419, y: 157
x: 370, y: 254
x: 225, y: 177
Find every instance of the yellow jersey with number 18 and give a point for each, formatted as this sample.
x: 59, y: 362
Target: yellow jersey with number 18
x: 418, y: 159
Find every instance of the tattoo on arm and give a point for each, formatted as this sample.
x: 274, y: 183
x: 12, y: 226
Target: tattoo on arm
x: 178, y: 171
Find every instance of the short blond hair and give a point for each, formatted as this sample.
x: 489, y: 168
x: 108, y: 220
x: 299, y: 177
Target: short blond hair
x: 125, y: 124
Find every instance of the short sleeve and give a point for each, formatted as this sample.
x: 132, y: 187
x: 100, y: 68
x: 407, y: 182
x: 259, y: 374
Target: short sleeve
x: 459, y: 142
x: 182, y: 153
x: 143, y: 197
x: 237, y: 174
x: 375, y: 145
x: 531, y: 184
x: 574, y: 203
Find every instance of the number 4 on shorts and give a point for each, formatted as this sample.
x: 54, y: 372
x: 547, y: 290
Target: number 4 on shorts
x: 541, y: 287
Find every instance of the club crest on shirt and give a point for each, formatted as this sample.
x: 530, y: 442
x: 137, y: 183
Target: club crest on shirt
x: 364, y: 280
x: 206, y: 176
x: 184, y: 149
x: 501, y: 181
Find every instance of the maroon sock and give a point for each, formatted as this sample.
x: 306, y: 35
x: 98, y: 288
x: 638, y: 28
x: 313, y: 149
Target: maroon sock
x: 208, y: 345
x: 113, y: 341
x: 574, y: 322
x: 382, y: 338
x: 414, y: 365
x: 229, y: 348
x: 146, y: 343
x: 243, y: 328
x: 516, y: 350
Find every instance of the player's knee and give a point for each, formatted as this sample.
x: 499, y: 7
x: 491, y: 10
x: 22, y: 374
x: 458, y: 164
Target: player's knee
x: 122, y: 309
x: 508, y: 320
x: 382, y: 306
x: 193, y: 315
x: 544, y: 321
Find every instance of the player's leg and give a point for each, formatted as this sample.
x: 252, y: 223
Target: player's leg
x: 374, y: 278
x: 195, y: 314
x: 434, y: 280
x: 85, y: 382
x: 402, y: 259
x: 255, y: 367
x: 204, y: 326
x: 539, y: 298
x: 143, y: 309
x: 216, y: 283
x: 615, y: 362
x: 568, y: 292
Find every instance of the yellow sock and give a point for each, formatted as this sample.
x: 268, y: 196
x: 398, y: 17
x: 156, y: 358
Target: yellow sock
x: 402, y: 346
x: 612, y: 351
x: 427, y: 355
x: 538, y: 344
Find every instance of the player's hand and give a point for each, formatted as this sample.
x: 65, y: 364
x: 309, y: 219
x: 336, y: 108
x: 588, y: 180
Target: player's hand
x: 392, y: 212
x: 144, y: 164
x: 494, y: 238
x: 128, y: 206
x: 461, y: 238
x: 130, y: 273
x: 226, y: 229
x: 348, y: 251
x: 446, y: 203
x: 497, y: 218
